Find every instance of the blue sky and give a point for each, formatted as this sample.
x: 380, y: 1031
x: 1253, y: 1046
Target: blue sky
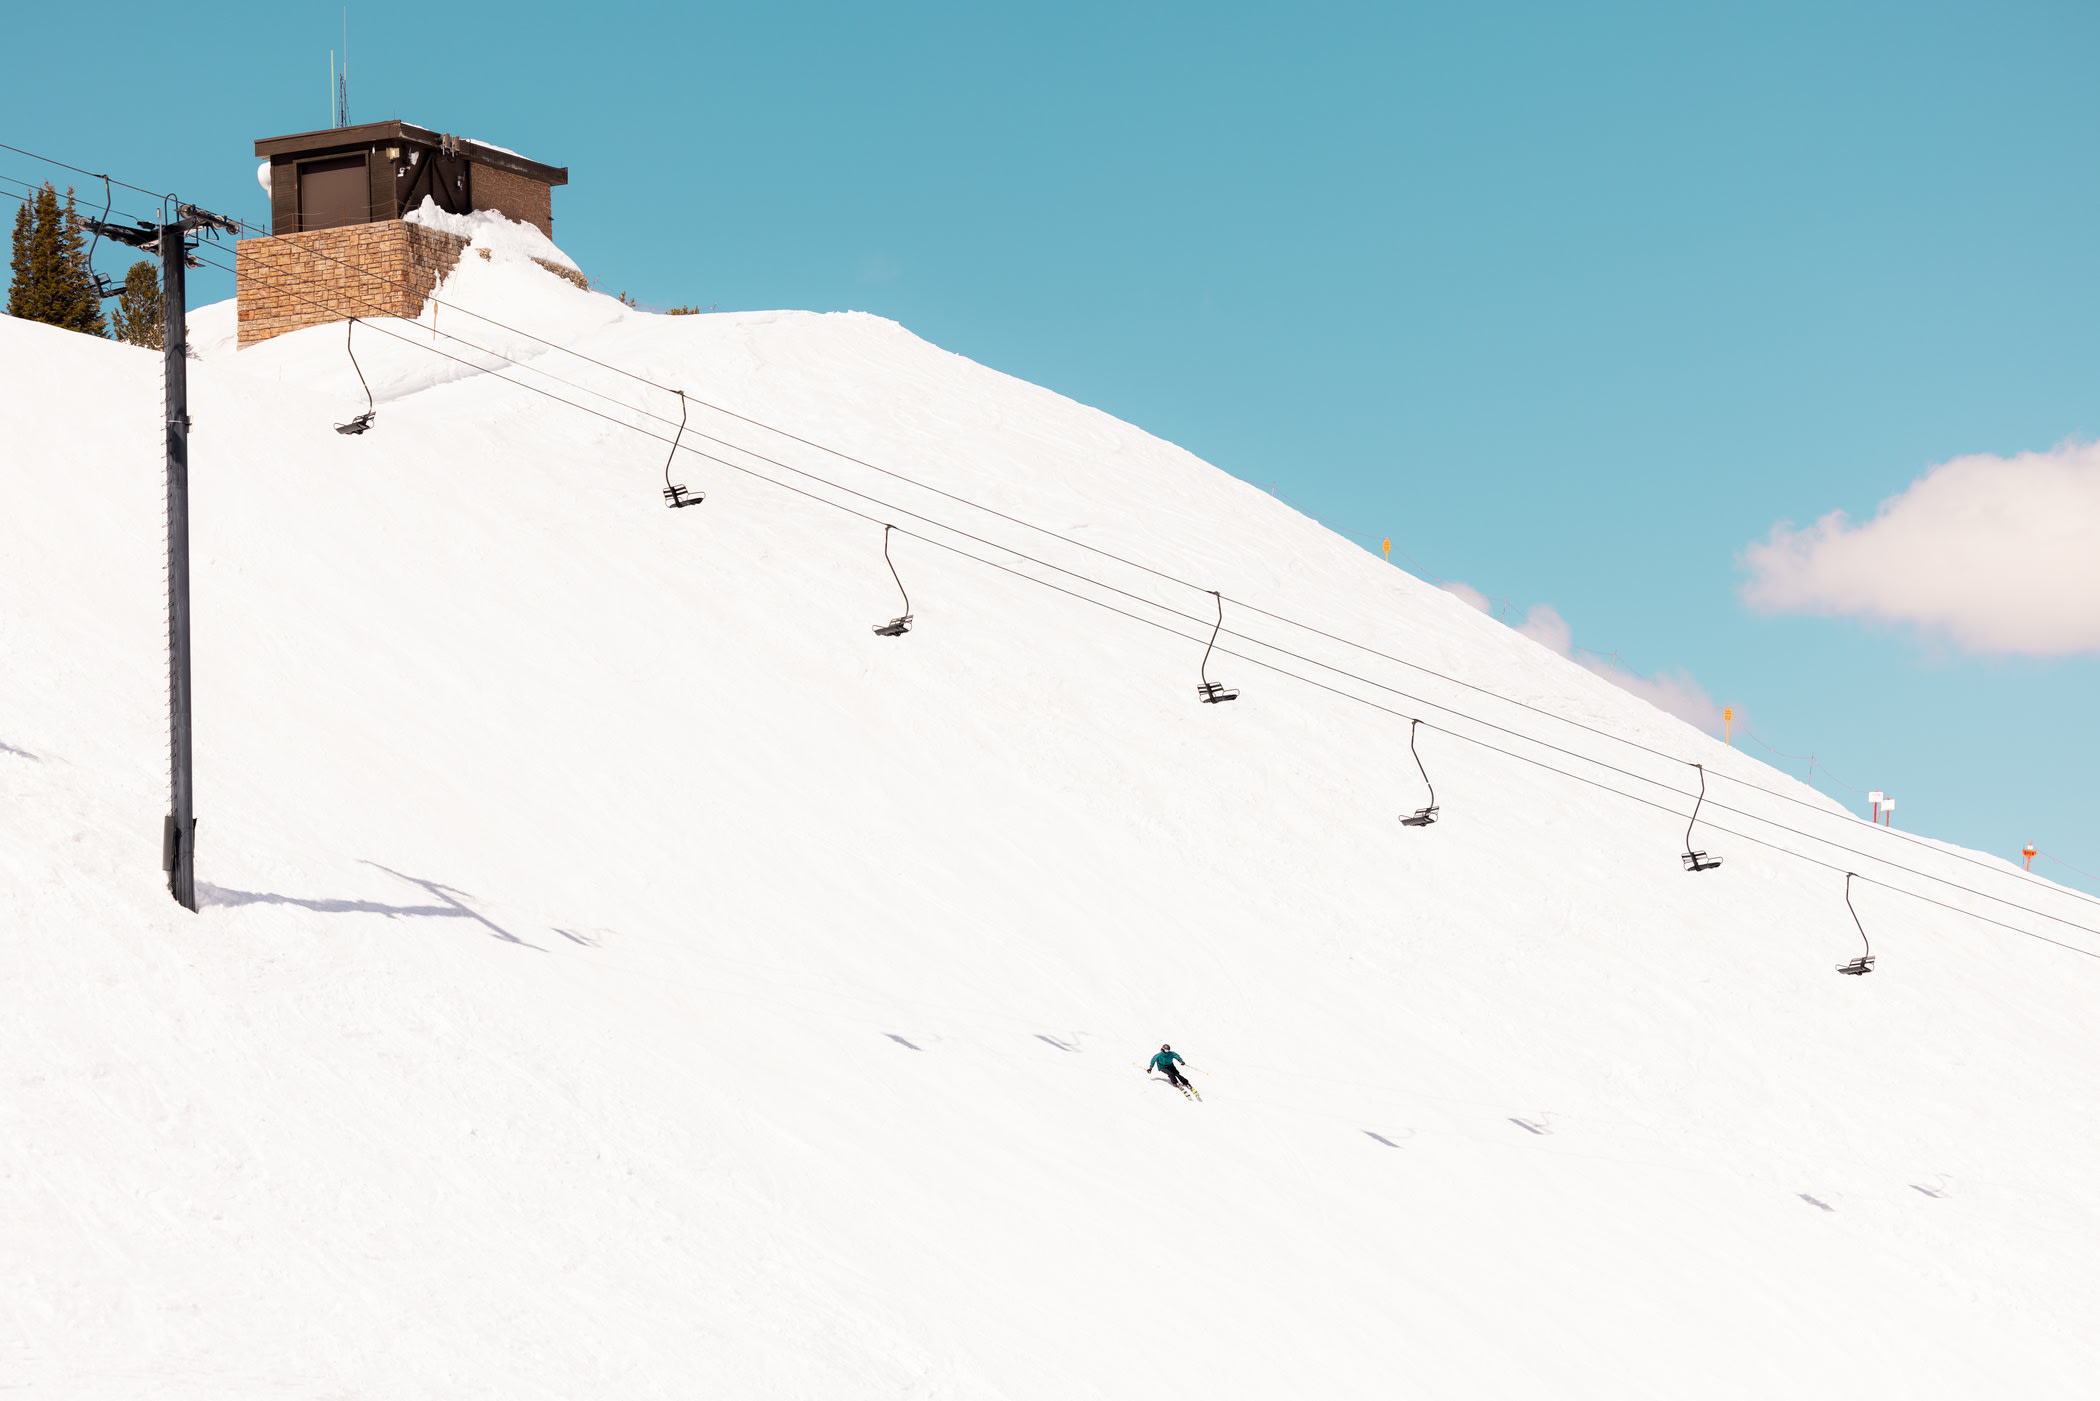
x: 1574, y: 303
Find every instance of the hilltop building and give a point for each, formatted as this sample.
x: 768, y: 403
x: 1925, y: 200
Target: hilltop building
x: 338, y: 244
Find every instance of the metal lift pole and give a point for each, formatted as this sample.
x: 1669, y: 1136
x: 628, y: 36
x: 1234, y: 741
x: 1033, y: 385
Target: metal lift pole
x: 179, y: 838
x: 178, y: 843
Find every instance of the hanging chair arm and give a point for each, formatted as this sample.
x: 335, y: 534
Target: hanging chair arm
x: 1412, y: 727
x: 1695, y: 807
x: 673, y: 453
x: 1204, y: 670
x: 370, y: 407
x: 1866, y: 942
x: 893, y: 568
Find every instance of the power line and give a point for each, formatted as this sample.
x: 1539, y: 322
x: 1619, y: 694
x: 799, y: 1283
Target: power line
x: 1095, y: 549
x: 940, y: 544
x: 1285, y: 619
x: 91, y: 174
x: 1274, y: 616
x: 1172, y: 578
x: 1288, y: 621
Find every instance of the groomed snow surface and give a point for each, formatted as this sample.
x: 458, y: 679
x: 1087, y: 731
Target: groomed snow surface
x: 621, y: 974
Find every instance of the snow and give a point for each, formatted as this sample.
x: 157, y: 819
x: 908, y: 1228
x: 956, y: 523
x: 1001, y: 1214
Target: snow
x: 491, y: 230
x: 621, y: 974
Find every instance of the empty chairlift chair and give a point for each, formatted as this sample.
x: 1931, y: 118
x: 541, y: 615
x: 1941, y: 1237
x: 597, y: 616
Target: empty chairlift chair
x: 1698, y: 860
x: 1208, y: 691
x: 1865, y: 962
x: 901, y: 624
x: 364, y: 420
x: 1423, y: 816
x: 675, y: 495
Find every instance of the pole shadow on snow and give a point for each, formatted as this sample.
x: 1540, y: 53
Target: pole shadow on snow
x: 450, y: 908
x: 1062, y: 1046
x: 902, y: 1042
x: 456, y: 909
x: 6, y: 748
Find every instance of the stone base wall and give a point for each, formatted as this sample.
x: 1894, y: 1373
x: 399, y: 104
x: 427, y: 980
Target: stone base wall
x: 309, y: 279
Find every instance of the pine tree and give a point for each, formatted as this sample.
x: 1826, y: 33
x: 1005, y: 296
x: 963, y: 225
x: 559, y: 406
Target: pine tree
x: 51, y: 282
x: 18, y: 287
x: 140, y: 319
x: 83, y: 307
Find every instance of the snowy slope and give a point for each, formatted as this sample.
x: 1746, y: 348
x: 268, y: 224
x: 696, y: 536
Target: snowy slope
x: 623, y: 975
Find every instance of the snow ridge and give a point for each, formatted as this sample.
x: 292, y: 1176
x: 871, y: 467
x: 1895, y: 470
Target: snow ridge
x: 623, y: 974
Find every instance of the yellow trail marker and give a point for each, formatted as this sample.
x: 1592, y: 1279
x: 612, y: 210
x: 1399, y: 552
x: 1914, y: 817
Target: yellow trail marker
x: 1728, y: 725
x: 1388, y: 549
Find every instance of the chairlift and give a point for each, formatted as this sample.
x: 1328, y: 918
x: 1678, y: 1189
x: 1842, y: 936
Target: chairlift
x: 1698, y: 860
x: 364, y: 420
x: 675, y: 495
x: 901, y: 624
x: 1423, y: 816
x: 1208, y: 691
x: 1865, y: 962
x: 98, y: 285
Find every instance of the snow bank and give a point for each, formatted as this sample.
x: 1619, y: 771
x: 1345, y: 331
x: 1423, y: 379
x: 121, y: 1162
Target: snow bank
x: 621, y: 974
x: 489, y: 230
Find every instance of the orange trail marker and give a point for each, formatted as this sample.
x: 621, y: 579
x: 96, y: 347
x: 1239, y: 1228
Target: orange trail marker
x: 2028, y: 852
x: 1728, y: 725
x: 1388, y: 549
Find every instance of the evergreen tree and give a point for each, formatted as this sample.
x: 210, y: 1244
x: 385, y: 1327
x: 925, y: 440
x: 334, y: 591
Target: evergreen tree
x: 18, y: 296
x: 51, y: 282
x: 83, y: 307
x: 139, y: 317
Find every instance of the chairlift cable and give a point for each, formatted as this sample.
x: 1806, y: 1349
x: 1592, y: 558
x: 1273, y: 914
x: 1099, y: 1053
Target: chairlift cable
x: 1282, y: 618
x: 1173, y: 578
x: 944, y: 545
x: 1163, y: 574
x: 155, y: 194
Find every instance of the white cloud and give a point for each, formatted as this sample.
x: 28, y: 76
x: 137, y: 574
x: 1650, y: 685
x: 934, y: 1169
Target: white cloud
x: 1546, y: 627
x: 2000, y: 554
x: 1673, y: 691
x: 1473, y: 597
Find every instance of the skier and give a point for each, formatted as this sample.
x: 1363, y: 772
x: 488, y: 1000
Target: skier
x: 1165, y: 1061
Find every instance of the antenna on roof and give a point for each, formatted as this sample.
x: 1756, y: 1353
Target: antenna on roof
x: 342, y: 77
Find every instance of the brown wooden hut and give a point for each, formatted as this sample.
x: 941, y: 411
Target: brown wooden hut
x: 338, y: 245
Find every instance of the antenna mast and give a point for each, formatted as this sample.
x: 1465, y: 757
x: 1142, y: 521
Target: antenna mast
x: 342, y: 77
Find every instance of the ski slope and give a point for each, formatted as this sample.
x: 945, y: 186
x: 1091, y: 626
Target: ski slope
x: 620, y: 974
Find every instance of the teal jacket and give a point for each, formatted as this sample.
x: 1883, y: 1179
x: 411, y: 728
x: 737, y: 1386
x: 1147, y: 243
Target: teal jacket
x: 1159, y: 1062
